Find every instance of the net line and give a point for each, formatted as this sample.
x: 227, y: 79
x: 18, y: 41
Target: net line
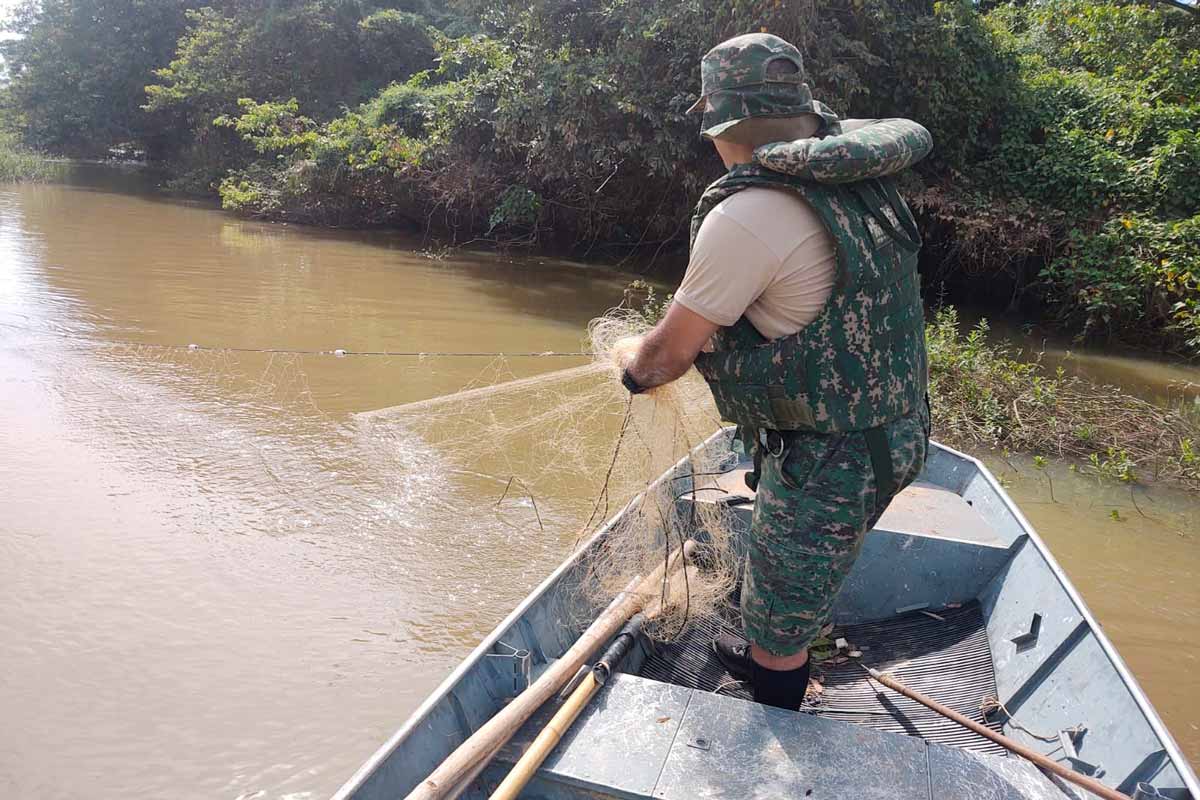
x: 540, y: 461
x: 337, y: 351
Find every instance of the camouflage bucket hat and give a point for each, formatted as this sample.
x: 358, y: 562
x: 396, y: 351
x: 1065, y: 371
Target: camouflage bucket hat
x: 735, y: 84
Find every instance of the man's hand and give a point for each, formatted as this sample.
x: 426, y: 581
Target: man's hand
x: 668, y: 350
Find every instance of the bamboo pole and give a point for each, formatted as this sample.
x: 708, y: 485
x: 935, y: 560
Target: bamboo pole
x: 547, y: 740
x: 1066, y: 773
x: 549, y: 737
x: 483, y: 744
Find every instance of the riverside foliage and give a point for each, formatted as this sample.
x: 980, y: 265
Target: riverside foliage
x: 20, y: 164
x: 1065, y: 180
x: 983, y: 396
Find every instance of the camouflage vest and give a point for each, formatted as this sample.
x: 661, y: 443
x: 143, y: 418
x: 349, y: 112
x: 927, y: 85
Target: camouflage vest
x: 861, y: 363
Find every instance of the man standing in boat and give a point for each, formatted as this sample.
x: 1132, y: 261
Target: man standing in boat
x: 803, y: 278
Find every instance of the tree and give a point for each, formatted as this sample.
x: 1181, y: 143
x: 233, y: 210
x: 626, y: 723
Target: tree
x: 78, y: 69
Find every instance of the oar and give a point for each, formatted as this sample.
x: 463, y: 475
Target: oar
x: 485, y: 742
x: 1091, y: 784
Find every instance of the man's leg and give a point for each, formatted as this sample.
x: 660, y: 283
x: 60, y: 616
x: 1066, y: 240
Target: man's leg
x: 812, y: 503
x: 816, y: 501
x: 769, y: 660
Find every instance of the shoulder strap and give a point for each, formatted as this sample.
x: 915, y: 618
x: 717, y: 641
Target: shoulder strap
x: 910, y: 239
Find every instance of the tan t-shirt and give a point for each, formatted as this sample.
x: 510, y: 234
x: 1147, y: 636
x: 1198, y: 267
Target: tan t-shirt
x: 766, y: 254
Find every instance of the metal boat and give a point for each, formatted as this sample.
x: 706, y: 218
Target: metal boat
x: 954, y: 594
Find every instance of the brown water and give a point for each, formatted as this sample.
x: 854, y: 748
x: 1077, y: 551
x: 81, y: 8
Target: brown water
x: 212, y: 586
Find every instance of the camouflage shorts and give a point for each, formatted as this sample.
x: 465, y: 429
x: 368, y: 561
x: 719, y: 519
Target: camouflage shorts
x: 816, y: 501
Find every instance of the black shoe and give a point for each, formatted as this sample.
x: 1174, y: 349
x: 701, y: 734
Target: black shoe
x: 734, y: 653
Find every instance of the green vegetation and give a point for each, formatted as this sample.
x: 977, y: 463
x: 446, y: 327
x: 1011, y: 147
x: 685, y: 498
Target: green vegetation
x: 20, y: 164
x: 983, y: 397
x: 1114, y: 90
x: 1066, y: 177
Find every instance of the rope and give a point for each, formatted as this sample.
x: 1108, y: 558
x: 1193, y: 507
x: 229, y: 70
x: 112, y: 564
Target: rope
x: 990, y: 705
x: 337, y: 352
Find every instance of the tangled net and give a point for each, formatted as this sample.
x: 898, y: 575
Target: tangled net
x: 563, y: 452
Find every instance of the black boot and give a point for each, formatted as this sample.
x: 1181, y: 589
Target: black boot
x: 734, y: 653
x: 780, y: 688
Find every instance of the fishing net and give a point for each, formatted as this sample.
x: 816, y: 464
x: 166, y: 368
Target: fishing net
x: 528, y: 464
x: 554, y: 456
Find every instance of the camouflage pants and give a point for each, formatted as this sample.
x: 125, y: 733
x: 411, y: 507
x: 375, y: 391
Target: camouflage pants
x: 818, y: 495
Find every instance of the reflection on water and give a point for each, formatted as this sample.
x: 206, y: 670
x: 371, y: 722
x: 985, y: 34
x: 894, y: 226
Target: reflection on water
x: 215, y: 583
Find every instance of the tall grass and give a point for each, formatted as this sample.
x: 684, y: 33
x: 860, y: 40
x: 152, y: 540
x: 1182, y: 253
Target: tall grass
x: 20, y: 164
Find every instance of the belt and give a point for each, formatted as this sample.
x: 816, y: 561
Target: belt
x: 772, y: 443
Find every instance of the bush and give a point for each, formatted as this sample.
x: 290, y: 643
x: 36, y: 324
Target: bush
x: 1133, y: 271
x: 396, y: 42
x: 1104, y: 138
x: 412, y: 107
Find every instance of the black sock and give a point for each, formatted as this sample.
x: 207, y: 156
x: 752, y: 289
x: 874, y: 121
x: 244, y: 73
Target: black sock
x: 781, y: 688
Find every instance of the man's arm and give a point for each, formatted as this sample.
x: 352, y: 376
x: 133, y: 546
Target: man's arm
x: 669, y: 349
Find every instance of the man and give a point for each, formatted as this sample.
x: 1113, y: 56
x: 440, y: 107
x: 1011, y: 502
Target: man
x: 803, y: 274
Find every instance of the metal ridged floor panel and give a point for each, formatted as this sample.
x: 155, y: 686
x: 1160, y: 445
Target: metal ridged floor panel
x: 947, y: 659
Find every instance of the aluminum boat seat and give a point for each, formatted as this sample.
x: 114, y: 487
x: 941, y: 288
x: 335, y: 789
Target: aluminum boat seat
x: 646, y: 739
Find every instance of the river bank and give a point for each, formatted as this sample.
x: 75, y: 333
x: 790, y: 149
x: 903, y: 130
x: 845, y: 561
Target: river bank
x: 984, y: 397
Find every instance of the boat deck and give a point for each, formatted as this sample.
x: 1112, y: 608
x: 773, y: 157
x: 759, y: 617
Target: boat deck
x: 643, y: 739
x: 944, y: 654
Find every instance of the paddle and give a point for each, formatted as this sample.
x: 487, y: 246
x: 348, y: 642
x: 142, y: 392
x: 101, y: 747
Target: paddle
x: 523, y: 771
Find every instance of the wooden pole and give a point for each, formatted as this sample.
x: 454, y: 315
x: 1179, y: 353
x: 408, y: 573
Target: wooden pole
x: 470, y: 777
x: 547, y: 740
x: 483, y: 744
x: 1066, y: 773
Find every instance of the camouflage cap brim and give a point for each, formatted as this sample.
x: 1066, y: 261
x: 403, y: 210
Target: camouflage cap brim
x: 726, y: 108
